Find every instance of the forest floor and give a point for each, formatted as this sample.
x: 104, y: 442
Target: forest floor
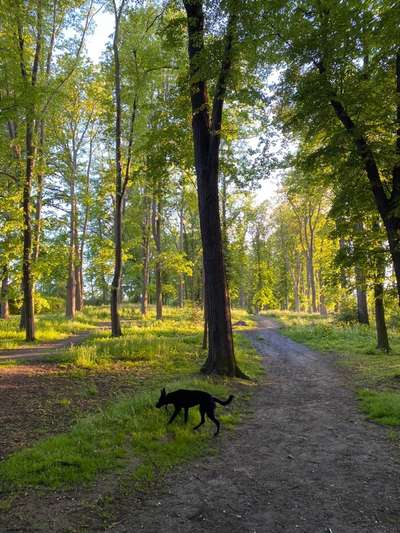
x: 304, y: 459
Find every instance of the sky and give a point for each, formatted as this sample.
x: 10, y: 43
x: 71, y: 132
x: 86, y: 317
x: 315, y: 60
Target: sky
x: 95, y: 44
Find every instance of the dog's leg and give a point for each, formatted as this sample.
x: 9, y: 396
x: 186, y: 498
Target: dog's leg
x: 186, y: 414
x: 211, y: 416
x: 203, y: 418
x: 174, y: 414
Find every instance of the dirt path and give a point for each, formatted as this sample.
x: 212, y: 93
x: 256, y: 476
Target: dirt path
x: 39, y: 351
x: 45, y: 348
x: 306, y: 461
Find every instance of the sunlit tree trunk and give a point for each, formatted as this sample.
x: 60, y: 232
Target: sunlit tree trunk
x: 116, y: 330
x: 4, y: 306
x: 70, y: 309
x: 181, y: 292
x: 156, y: 228
x: 146, y: 231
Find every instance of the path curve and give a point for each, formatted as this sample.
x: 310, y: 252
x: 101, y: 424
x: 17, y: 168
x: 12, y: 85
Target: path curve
x: 38, y: 351
x: 305, y: 461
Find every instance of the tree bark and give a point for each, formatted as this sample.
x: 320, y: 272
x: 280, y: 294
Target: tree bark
x: 181, y: 295
x: 78, y: 280
x: 70, y: 309
x: 205, y: 321
x: 310, y: 261
x: 362, y: 303
x: 84, y: 227
x: 116, y: 330
x: 361, y: 284
x: 156, y: 227
x: 27, y: 278
x: 146, y: 230
x: 381, y: 331
x: 322, y: 305
x: 206, y: 138
x: 28, y: 314
x: 4, y: 306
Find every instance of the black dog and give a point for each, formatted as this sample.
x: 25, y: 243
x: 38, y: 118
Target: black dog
x: 184, y: 399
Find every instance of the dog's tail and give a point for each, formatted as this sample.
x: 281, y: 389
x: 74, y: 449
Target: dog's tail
x: 224, y: 402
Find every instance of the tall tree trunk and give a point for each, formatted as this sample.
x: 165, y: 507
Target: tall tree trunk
x: 342, y: 271
x: 205, y: 320
x: 78, y: 288
x: 381, y: 331
x: 78, y: 273
x: 146, y: 230
x: 28, y: 314
x: 296, y: 276
x: 4, y: 307
x: 310, y: 265
x: 322, y: 306
x: 362, y: 303
x: 206, y: 137
x: 121, y: 181
x: 81, y: 246
x: 310, y: 262
x: 116, y: 330
x: 116, y: 282
x: 156, y: 226
x: 181, y: 295
x: 361, y: 283
x: 27, y: 278
x: 70, y: 309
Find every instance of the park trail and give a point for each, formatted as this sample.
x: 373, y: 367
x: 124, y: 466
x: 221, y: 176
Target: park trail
x: 305, y: 461
x: 42, y: 350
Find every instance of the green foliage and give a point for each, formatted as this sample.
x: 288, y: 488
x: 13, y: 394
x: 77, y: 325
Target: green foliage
x: 50, y: 327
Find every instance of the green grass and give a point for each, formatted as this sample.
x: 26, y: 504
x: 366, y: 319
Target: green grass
x: 381, y: 406
x: 130, y: 429
x: 154, y: 345
x: 49, y: 327
x: 375, y: 373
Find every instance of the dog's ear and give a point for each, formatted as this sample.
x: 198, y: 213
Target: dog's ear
x: 163, y: 392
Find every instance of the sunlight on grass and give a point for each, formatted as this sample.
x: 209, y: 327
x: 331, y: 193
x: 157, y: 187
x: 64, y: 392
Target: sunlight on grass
x: 132, y: 427
x: 168, y: 345
x: 49, y: 327
x: 162, y: 353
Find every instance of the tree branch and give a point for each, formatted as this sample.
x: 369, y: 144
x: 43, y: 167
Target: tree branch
x: 362, y: 146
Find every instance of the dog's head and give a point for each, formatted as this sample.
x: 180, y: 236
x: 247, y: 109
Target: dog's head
x: 162, y: 400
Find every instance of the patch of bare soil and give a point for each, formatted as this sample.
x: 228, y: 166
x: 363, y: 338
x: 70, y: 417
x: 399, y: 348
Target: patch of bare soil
x: 306, y: 460
x: 37, y: 400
